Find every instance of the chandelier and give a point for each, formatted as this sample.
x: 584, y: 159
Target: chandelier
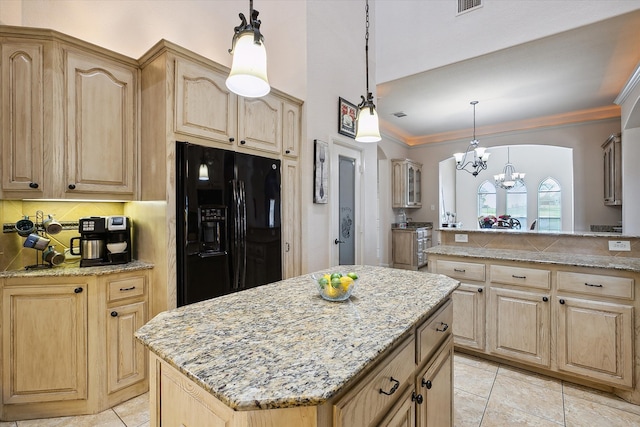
x: 248, y: 76
x: 509, y: 177
x: 368, y: 127
x: 478, y: 162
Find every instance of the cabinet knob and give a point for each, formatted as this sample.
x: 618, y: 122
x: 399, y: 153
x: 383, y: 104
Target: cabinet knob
x: 33, y: 185
x: 480, y: 290
x: 114, y: 314
x: 561, y: 301
x: 417, y: 398
x: 72, y: 186
x: 77, y: 290
x: 231, y: 139
x: 428, y: 384
x: 287, y: 151
x: 545, y: 299
x: 242, y: 141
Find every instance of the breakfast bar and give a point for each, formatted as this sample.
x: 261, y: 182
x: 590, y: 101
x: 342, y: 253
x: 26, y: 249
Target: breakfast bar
x: 281, y: 355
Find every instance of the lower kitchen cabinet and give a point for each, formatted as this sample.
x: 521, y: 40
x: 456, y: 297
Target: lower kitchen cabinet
x: 469, y: 312
x: 433, y: 390
x: 68, y: 346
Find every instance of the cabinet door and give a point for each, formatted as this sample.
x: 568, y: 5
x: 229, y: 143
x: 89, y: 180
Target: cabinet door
x: 435, y: 385
x: 44, y: 337
x: 290, y: 219
x: 291, y: 129
x: 469, y: 316
x: 519, y: 326
x: 126, y: 356
x: 22, y: 118
x: 260, y: 123
x: 595, y: 340
x: 101, y: 123
x: 402, y: 414
x: 411, y: 185
x: 204, y: 106
x: 398, y: 184
x: 404, y: 249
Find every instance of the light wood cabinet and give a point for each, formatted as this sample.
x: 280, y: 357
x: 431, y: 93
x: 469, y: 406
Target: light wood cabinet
x: 68, y: 345
x: 612, y: 160
x: 409, y: 247
x: 291, y: 239
x: 44, y: 342
x: 469, y: 312
x: 69, y: 118
x: 406, y: 185
x: 519, y: 326
x: 434, y: 385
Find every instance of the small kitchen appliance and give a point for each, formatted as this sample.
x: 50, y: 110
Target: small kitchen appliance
x: 104, y: 240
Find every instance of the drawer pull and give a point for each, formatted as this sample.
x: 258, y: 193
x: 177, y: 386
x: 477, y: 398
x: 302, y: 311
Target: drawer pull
x: 417, y: 398
x: 393, y: 389
x: 444, y: 327
x: 480, y: 290
x: 459, y: 270
x: 427, y: 383
x: 518, y: 277
x: 127, y: 289
x: 594, y: 286
x: 545, y: 299
x: 77, y: 290
x: 114, y: 314
x: 561, y: 301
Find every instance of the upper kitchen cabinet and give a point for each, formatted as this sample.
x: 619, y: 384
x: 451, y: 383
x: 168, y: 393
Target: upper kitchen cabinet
x: 406, y: 183
x: 69, y: 118
x: 612, y: 156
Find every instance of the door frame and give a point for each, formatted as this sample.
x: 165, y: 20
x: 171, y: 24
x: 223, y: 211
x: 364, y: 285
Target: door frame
x: 341, y: 147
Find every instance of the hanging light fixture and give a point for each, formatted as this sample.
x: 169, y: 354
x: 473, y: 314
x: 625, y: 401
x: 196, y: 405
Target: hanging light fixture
x: 480, y: 156
x: 509, y: 177
x: 368, y: 128
x: 248, y: 76
x: 203, y: 172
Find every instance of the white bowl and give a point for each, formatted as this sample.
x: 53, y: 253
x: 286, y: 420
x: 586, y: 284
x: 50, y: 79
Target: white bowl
x: 116, y: 248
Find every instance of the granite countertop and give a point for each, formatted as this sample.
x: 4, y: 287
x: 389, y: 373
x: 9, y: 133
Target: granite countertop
x: 282, y: 345
x: 572, y: 259
x: 62, y: 271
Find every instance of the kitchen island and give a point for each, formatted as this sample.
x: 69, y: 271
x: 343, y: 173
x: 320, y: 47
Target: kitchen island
x: 281, y: 355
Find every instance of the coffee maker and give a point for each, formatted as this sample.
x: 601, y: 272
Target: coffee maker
x: 104, y: 240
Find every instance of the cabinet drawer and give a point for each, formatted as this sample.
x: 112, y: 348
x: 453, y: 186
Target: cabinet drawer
x: 529, y: 277
x: 433, y: 332
x: 461, y: 270
x: 595, y: 284
x: 125, y: 288
x: 367, y: 400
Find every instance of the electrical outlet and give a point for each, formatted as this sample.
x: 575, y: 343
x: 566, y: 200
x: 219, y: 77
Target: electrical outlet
x: 462, y: 238
x: 619, y: 245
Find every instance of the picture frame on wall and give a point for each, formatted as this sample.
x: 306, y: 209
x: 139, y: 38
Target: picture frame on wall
x: 347, y: 118
x: 321, y: 172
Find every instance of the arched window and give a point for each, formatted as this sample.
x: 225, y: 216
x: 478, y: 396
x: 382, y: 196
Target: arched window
x: 486, y: 199
x: 549, y: 206
x: 517, y: 202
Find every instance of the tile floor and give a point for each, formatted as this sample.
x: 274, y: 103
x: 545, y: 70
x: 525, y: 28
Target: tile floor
x: 486, y: 394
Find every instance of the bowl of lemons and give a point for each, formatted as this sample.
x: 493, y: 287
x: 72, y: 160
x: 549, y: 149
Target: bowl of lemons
x: 335, y: 286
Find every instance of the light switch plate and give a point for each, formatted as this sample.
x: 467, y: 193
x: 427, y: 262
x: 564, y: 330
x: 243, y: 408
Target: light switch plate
x: 619, y: 245
x: 462, y: 238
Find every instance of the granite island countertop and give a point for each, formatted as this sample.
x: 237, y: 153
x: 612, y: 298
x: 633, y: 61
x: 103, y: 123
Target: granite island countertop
x: 282, y: 345
x: 572, y: 259
x: 63, y: 271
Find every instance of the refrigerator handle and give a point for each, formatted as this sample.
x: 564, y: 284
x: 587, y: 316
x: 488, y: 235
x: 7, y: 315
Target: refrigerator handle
x: 242, y: 209
x: 235, y: 254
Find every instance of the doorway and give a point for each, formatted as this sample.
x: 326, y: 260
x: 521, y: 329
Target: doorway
x: 346, y: 215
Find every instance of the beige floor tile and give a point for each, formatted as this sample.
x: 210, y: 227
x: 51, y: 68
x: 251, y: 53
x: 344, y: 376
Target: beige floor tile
x: 134, y: 412
x: 530, y: 378
x: 106, y: 418
x: 598, y: 396
x: 581, y: 412
x: 504, y: 416
x: 473, y: 380
x: 468, y: 408
x: 475, y: 361
x: 525, y: 397
x: 7, y: 424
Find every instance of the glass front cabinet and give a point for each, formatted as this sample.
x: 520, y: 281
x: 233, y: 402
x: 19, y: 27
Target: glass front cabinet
x: 406, y: 183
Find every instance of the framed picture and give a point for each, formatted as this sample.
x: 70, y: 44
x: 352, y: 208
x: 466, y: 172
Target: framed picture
x: 347, y: 115
x: 321, y: 172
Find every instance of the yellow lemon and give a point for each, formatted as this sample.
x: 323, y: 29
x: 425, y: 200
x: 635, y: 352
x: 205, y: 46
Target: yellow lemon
x: 345, y: 283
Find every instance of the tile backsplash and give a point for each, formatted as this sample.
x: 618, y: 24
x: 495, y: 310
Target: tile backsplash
x: 13, y: 256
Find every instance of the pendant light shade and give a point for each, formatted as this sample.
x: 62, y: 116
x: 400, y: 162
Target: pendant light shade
x: 203, y: 172
x: 368, y: 127
x: 248, y: 76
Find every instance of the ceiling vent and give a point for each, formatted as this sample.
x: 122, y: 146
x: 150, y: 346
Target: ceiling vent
x: 468, y: 5
x: 400, y: 114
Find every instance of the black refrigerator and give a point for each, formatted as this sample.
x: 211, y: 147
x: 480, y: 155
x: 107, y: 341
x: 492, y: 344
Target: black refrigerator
x: 228, y: 215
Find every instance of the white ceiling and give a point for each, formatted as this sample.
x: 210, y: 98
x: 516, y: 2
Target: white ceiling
x: 563, y: 78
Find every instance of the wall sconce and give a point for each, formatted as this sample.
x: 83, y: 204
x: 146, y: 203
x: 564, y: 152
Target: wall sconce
x: 248, y: 76
x: 480, y: 156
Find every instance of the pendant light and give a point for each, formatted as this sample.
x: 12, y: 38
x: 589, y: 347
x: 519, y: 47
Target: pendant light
x: 203, y: 172
x: 509, y: 177
x: 480, y: 156
x: 368, y: 127
x: 248, y: 76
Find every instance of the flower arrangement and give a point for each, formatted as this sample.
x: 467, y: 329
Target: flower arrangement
x: 487, y: 221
